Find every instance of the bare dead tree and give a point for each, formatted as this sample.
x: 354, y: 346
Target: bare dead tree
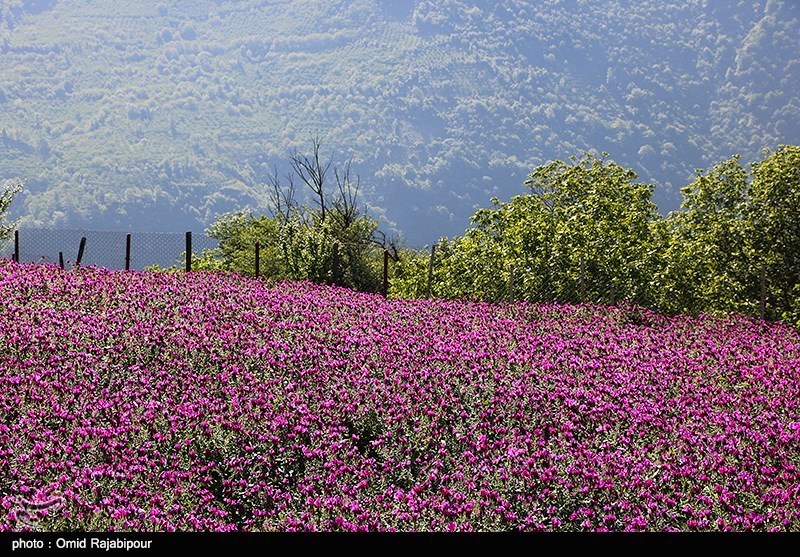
x: 282, y: 198
x: 311, y: 170
x: 346, y: 204
x: 340, y: 204
x: 390, y: 245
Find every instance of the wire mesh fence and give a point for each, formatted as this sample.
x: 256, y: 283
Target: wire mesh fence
x: 112, y: 250
x: 566, y: 280
x: 573, y: 280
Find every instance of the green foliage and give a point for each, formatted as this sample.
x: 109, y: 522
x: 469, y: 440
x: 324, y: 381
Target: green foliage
x: 332, y: 242
x: 732, y: 223
x: 590, y: 212
x: 709, y: 264
x: 238, y: 233
x: 176, y: 268
x: 587, y: 230
x: 462, y: 269
x: 207, y: 260
x: 8, y: 190
x: 774, y: 212
x: 298, y: 249
x: 359, y: 262
x: 409, y: 273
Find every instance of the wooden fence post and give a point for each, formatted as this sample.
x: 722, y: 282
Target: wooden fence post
x: 430, y: 272
x: 385, y: 273
x: 61, y: 260
x: 763, y: 297
x: 583, y: 280
x: 81, y: 247
x: 188, y: 251
x: 16, y: 246
x: 127, y: 252
x: 258, y: 259
x: 335, y: 264
x: 510, y: 287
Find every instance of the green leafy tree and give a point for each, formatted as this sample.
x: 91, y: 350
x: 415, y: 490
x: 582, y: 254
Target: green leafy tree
x: 708, y: 262
x: 591, y: 214
x: 774, y: 209
x: 588, y: 214
x: 238, y: 233
x: 465, y: 267
x: 410, y: 271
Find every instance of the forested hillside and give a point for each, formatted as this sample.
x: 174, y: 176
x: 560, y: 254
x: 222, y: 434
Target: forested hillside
x: 162, y: 115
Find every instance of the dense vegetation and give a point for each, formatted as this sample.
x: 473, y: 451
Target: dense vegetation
x: 212, y: 401
x: 592, y: 213
x: 587, y: 229
x: 161, y: 115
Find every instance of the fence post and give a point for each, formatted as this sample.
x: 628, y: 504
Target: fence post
x: 385, y: 273
x: 258, y: 259
x: 430, y: 272
x: 763, y: 297
x: 613, y: 292
x: 583, y: 280
x: 188, y: 251
x: 61, y: 260
x: 81, y: 247
x: 127, y: 252
x: 510, y: 292
x: 16, y: 246
x: 335, y: 264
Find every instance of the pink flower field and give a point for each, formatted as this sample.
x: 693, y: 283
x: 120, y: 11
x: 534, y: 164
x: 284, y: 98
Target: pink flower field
x: 210, y: 401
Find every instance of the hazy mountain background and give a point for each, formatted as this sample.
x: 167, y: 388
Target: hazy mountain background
x: 160, y: 115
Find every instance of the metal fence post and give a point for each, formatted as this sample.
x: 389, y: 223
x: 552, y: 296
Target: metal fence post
x: 430, y: 272
x: 385, y: 273
x: 583, y: 279
x: 335, y: 264
x: 81, y: 247
x: 510, y: 291
x: 61, y: 260
x: 16, y: 246
x: 763, y: 297
x: 188, y: 251
x: 258, y: 259
x: 127, y: 252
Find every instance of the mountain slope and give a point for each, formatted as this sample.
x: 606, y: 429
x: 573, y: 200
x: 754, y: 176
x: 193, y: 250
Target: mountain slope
x: 160, y: 116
